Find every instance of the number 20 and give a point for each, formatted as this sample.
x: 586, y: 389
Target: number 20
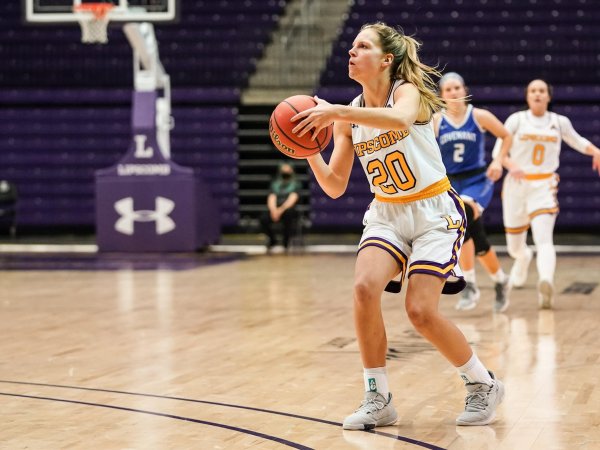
x: 396, y: 168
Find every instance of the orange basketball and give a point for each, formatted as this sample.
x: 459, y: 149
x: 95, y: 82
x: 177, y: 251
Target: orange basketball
x: 280, y: 128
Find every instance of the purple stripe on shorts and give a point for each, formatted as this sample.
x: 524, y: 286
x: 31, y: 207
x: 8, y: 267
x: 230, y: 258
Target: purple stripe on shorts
x: 434, y: 264
x: 461, y: 230
x: 375, y: 238
x: 432, y: 272
x: 383, y: 247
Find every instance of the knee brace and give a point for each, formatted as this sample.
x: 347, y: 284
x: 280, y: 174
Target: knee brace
x: 477, y: 232
x: 470, y: 215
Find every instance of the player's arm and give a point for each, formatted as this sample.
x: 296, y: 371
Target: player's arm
x: 511, y: 125
x: 333, y: 177
x: 490, y: 122
x: 437, y: 120
x: 401, y: 116
x: 579, y: 143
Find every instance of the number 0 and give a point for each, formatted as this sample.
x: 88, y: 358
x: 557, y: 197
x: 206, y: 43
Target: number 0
x: 538, y: 154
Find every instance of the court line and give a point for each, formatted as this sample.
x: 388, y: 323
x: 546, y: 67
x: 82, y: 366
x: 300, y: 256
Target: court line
x: 228, y: 405
x: 169, y: 416
x: 254, y: 249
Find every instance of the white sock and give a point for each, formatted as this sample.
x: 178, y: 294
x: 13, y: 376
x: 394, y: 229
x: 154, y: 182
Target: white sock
x: 546, y: 261
x: 469, y: 276
x: 376, y: 381
x: 498, y: 277
x: 473, y: 371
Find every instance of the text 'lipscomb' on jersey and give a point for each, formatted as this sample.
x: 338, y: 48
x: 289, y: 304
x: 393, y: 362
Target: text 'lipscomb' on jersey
x: 383, y: 140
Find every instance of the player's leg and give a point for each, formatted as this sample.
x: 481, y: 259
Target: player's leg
x: 470, y: 294
x: 375, y: 267
x: 542, y: 228
x: 433, y: 264
x: 542, y: 209
x: 383, y: 254
x: 516, y: 224
x: 488, y: 258
x: 477, y: 195
x: 484, y: 391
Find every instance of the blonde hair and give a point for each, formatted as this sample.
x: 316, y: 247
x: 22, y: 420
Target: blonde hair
x: 406, y: 64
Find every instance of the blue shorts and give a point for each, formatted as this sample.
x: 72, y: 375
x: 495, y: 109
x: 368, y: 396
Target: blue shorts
x: 479, y: 188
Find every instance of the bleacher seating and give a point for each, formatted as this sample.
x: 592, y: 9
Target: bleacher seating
x: 66, y: 106
x: 498, y: 46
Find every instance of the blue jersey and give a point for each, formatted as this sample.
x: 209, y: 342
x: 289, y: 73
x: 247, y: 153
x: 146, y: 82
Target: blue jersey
x: 462, y: 146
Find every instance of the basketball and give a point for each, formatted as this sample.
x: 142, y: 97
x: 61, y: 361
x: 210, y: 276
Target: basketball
x: 280, y: 129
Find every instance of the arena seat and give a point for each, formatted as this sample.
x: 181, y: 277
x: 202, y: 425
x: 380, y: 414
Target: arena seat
x: 67, y: 106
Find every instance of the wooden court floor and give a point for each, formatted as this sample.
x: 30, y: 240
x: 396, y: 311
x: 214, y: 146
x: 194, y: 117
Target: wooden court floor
x: 260, y: 353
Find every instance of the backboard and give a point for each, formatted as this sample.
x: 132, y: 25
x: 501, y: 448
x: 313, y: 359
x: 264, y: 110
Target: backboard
x: 58, y: 11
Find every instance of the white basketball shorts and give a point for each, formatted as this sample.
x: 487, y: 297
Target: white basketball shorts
x: 522, y: 200
x: 424, y: 236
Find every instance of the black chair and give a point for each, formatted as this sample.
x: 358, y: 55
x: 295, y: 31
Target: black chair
x: 301, y: 226
x: 8, y: 208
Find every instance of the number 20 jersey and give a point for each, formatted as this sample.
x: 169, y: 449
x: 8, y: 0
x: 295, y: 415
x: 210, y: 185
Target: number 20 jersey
x: 401, y: 165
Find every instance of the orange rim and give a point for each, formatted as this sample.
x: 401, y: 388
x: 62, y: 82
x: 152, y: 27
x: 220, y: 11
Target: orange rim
x: 99, y: 10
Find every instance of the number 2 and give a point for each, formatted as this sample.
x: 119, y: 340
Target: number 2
x: 459, y: 151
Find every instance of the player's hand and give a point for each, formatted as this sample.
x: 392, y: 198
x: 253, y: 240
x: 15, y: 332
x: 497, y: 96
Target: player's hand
x: 513, y: 169
x: 596, y: 161
x: 316, y: 119
x: 494, y: 171
x: 517, y: 173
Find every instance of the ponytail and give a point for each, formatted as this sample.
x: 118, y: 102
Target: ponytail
x: 407, y: 66
x: 413, y: 71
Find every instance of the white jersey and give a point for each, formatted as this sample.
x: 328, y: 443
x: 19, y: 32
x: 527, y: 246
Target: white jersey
x: 401, y: 166
x: 537, y: 140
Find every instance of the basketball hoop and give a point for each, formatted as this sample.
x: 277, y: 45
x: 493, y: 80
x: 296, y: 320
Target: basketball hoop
x: 93, y: 18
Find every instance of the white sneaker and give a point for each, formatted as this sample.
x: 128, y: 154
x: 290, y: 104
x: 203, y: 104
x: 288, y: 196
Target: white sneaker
x: 518, y: 273
x: 374, y: 411
x: 481, y: 403
x: 468, y: 297
x: 545, y: 294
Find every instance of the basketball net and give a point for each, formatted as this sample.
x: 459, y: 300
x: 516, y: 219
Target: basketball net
x: 93, y: 19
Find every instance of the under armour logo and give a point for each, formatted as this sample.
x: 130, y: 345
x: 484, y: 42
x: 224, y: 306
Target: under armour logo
x: 163, y: 207
x: 141, y: 151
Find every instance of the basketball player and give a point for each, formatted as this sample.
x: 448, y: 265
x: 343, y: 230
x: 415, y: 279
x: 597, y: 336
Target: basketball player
x: 460, y: 132
x: 532, y: 201
x: 415, y: 225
